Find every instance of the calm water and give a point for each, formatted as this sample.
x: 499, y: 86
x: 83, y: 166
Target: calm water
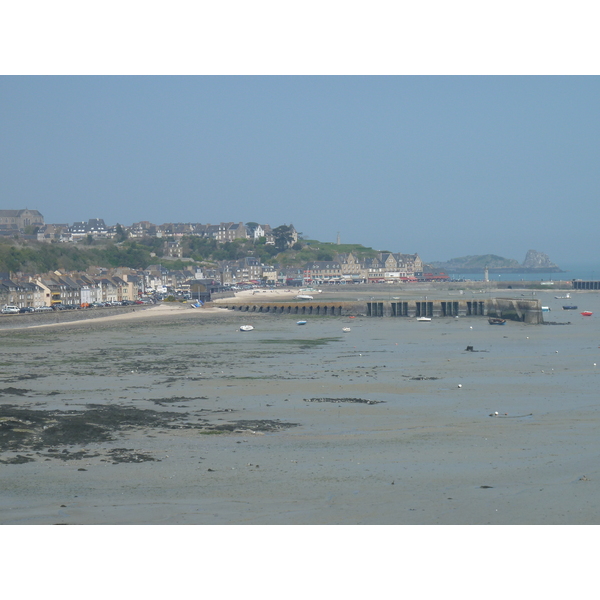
x: 585, y: 272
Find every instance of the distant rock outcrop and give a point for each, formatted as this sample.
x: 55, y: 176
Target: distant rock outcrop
x: 477, y: 263
x: 538, y: 260
x: 534, y: 262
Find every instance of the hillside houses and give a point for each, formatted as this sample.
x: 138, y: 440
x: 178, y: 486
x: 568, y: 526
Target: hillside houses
x: 97, y: 229
x: 17, y: 221
x: 58, y: 232
x: 94, y: 227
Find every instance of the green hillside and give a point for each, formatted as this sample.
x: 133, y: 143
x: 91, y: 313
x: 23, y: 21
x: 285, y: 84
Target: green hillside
x: 38, y: 257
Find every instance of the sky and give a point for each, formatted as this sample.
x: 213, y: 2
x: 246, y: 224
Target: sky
x: 444, y: 166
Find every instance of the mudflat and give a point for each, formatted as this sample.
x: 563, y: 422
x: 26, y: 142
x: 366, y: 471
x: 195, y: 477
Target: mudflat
x: 175, y: 416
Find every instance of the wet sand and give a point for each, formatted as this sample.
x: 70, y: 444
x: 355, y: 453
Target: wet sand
x: 195, y: 422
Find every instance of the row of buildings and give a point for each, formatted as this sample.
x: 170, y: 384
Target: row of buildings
x: 64, y: 289
x: 97, y: 229
x: 115, y: 285
x: 30, y: 223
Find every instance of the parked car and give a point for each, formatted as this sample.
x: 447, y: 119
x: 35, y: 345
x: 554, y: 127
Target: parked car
x: 27, y: 309
x: 10, y: 310
x: 43, y: 308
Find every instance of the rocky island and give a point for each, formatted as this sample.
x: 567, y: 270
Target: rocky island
x: 535, y: 262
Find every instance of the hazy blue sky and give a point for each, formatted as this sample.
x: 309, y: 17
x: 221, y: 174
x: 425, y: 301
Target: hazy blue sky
x: 440, y: 165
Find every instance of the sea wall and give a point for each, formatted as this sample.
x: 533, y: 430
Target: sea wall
x: 528, y: 311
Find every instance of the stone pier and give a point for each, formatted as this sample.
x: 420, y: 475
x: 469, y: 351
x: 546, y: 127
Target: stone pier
x: 586, y: 285
x: 528, y: 311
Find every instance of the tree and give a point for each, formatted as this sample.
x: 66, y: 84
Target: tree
x: 324, y: 255
x: 283, y: 237
x: 121, y: 234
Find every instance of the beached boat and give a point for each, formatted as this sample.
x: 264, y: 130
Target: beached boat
x: 545, y: 309
x: 246, y: 328
x: 346, y: 329
x: 300, y: 322
x: 304, y: 297
x: 423, y: 319
x: 496, y: 321
x: 587, y: 313
x: 569, y: 307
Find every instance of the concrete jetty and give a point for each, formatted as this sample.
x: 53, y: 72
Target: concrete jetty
x: 515, y: 309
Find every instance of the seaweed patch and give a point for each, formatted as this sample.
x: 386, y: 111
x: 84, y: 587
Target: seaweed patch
x: 350, y: 400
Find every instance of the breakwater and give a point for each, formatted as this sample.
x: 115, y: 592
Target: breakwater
x: 525, y: 310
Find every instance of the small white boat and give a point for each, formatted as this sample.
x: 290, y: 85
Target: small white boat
x: 567, y: 295
x: 423, y: 319
x: 246, y: 328
x: 304, y: 297
x: 300, y: 322
x: 545, y: 309
x: 346, y: 329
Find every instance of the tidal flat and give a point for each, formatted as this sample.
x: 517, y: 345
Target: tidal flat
x: 183, y: 419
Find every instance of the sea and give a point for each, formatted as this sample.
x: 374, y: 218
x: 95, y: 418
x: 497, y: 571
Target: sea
x: 570, y: 272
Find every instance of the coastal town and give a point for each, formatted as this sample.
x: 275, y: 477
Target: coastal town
x: 101, y: 286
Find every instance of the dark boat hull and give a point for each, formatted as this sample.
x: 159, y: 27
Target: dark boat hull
x: 493, y: 321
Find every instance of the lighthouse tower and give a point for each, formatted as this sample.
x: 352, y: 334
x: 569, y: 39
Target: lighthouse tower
x: 486, y: 274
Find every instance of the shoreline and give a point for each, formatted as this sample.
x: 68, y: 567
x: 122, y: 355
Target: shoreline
x: 151, y: 312
x: 165, y: 309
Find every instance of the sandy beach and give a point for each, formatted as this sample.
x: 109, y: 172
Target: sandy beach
x: 172, y: 415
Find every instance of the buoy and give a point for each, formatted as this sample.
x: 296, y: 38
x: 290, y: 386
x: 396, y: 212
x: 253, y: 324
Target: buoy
x: 460, y: 385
